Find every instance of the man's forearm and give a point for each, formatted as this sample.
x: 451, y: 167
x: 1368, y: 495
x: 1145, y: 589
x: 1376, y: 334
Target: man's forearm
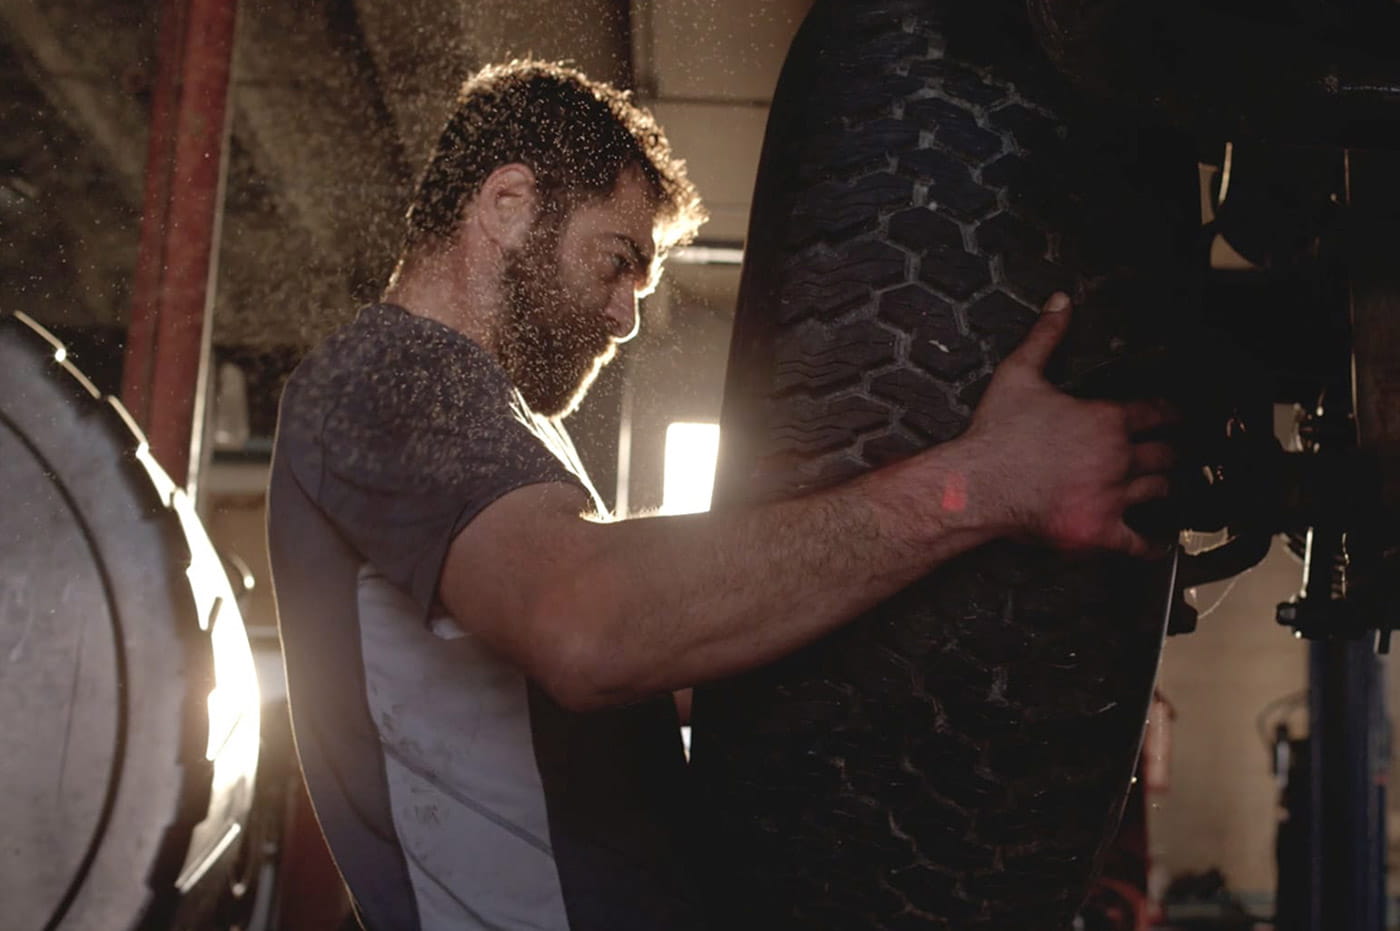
x: 672, y: 601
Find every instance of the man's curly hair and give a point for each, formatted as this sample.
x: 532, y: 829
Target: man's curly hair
x: 576, y: 135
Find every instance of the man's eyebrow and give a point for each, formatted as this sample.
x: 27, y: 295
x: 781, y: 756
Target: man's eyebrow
x: 641, y: 256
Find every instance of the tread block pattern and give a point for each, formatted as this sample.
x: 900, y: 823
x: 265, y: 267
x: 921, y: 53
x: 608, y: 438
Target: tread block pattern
x: 839, y: 209
x: 889, y: 448
x: 862, y: 103
x: 918, y: 228
x: 967, y: 140
x: 950, y: 181
x: 913, y: 305
x: 955, y: 272
x: 964, y: 83
x: 879, y: 140
x: 828, y: 284
x: 952, y: 76
x: 818, y: 361
x: 819, y: 426
x: 938, y: 348
x: 926, y: 408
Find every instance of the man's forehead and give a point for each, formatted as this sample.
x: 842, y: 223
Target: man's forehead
x: 633, y: 208
x: 629, y: 215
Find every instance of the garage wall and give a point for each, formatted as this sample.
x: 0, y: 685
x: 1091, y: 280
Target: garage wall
x: 1220, y: 809
x: 708, y: 70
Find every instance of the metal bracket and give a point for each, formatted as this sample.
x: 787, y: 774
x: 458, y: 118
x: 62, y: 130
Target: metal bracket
x: 1236, y: 476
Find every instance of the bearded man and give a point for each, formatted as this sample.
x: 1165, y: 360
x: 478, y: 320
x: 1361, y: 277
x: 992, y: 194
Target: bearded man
x: 479, y: 672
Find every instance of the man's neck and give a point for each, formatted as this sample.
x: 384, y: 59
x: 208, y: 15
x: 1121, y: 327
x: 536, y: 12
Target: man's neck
x: 457, y: 299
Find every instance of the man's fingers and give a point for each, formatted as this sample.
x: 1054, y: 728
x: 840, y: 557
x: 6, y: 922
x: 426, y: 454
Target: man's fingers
x: 1126, y: 541
x: 1146, y: 488
x: 1035, y: 350
x: 1142, y: 416
x: 1134, y: 544
x: 1152, y: 457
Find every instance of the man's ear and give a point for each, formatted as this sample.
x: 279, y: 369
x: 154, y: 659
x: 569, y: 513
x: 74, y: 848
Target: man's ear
x: 507, y: 204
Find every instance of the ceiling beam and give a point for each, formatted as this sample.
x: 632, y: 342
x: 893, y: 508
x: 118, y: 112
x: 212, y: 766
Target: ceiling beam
x: 418, y: 69
x: 310, y: 114
x: 78, y: 82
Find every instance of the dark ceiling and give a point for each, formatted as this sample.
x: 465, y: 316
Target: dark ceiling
x: 333, y: 106
x: 334, y: 103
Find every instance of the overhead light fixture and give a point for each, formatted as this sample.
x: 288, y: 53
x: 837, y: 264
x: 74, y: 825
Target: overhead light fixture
x: 707, y: 254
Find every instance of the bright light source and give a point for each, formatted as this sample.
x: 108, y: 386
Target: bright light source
x: 689, y: 476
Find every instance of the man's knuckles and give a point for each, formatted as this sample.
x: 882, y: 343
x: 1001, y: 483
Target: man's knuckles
x: 1080, y: 531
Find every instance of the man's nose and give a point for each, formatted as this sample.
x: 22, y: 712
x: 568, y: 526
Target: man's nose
x: 622, y: 314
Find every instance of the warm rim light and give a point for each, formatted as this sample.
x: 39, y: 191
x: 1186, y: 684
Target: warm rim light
x: 689, y: 475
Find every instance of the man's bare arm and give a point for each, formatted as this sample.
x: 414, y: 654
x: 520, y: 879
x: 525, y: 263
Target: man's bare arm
x: 603, y: 614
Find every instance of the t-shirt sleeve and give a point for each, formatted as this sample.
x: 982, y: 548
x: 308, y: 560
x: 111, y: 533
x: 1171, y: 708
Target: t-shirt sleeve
x: 400, y: 449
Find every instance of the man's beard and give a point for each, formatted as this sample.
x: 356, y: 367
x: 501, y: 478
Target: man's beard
x: 551, y: 345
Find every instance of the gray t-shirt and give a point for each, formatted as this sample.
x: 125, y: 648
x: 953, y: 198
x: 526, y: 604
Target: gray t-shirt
x: 452, y: 791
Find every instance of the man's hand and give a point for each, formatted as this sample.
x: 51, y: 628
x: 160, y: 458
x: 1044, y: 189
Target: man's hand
x: 1066, y: 469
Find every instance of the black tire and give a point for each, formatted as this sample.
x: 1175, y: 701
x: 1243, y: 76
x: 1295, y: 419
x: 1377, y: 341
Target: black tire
x: 114, y: 813
x: 958, y: 757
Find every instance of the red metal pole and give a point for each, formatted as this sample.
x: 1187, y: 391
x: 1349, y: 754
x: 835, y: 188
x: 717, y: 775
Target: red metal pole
x: 145, y: 289
x: 173, y: 285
